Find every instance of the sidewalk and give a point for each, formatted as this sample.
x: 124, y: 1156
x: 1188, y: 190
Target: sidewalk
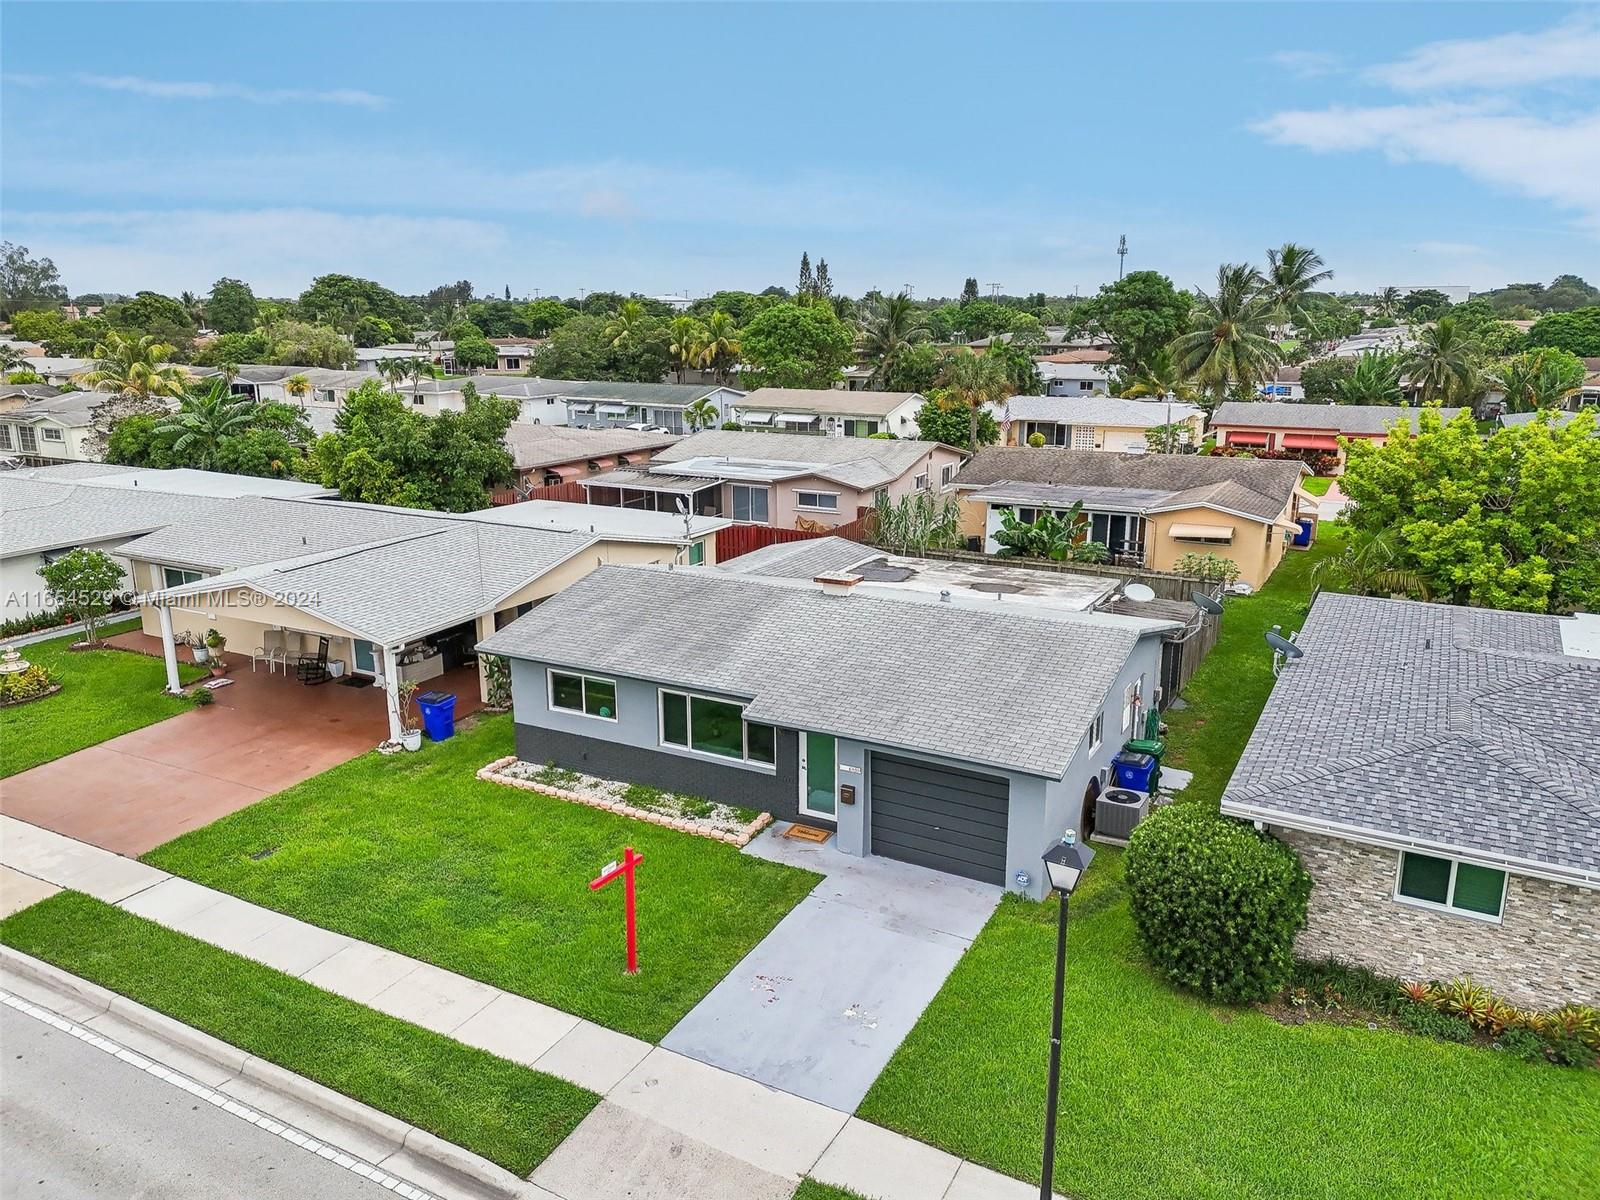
x: 668, y: 1126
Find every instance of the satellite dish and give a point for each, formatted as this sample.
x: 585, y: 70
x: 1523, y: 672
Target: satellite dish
x: 1139, y: 593
x: 1205, y: 603
x: 1283, y: 645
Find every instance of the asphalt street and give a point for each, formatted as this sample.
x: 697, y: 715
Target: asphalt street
x: 77, y: 1122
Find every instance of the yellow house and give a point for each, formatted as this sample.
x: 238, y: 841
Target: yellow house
x: 1148, y: 510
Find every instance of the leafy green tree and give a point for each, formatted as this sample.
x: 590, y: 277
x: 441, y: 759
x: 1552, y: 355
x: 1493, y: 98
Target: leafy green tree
x: 86, y: 583
x: 741, y: 306
x: 980, y: 319
x: 300, y: 344
x: 1058, y: 536
x: 969, y: 290
x: 793, y: 345
x: 578, y: 349
x: 1523, y: 301
x: 475, y: 352
x: 1228, y: 348
x: 1158, y: 379
x: 947, y: 423
x: 544, y: 317
x: 383, y: 452
x: 134, y: 442
x: 27, y: 283
x: 722, y: 344
x: 1443, y: 364
x: 629, y: 323
x: 970, y: 383
x: 916, y: 369
x: 234, y: 349
x: 342, y: 300
x: 204, y: 419
x: 1321, y: 379
x: 688, y: 345
x: 890, y: 326
x: 231, y: 307
x: 1424, y: 303
x: 372, y: 331
x: 1510, y: 521
x: 39, y: 325
x: 1293, y: 272
x: 151, y: 312
x: 1577, y: 332
x: 1016, y: 366
x: 702, y: 414
x: 1141, y: 313
x: 1374, y: 380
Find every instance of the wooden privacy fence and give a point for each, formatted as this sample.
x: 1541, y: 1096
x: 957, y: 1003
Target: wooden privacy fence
x: 570, y: 493
x: 742, y: 539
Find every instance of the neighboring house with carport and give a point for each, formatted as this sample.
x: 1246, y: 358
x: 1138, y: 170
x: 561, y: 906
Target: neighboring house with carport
x: 1268, y: 425
x: 547, y: 455
x: 1148, y: 510
x: 398, y: 594
x: 1438, y: 771
x: 945, y: 733
x: 786, y: 480
x: 1095, y: 422
x: 851, y: 414
x: 46, y: 512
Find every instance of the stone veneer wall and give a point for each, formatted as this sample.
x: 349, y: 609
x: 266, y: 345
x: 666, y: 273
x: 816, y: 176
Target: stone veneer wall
x: 1544, y: 952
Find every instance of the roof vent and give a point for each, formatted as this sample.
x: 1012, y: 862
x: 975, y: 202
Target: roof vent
x: 836, y: 583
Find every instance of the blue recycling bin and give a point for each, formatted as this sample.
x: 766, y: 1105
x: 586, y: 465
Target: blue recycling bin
x: 1133, y: 770
x: 1308, y: 527
x: 438, y: 711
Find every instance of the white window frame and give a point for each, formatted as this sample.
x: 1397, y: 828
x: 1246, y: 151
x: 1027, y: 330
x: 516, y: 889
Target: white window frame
x: 816, y: 497
x: 550, y: 674
x: 688, y: 715
x: 27, y: 440
x: 752, y: 488
x: 1132, y: 705
x: 1450, y: 892
x: 1097, y: 732
x: 7, y: 442
x: 49, y: 433
x: 946, y: 474
x: 920, y: 482
x: 184, y: 577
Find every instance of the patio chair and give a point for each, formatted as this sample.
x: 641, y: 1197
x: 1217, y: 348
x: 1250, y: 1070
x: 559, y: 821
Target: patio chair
x: 274, y: 649
x: 313, y: 668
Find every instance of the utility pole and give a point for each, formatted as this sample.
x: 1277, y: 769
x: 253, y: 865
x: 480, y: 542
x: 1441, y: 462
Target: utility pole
x: 994, y: 291
x: 1122, y: 253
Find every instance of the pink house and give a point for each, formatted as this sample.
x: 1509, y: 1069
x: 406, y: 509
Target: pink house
x: 1273, y: 425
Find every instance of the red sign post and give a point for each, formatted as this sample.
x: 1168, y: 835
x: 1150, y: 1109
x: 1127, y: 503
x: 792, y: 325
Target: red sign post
x: 625, y: 868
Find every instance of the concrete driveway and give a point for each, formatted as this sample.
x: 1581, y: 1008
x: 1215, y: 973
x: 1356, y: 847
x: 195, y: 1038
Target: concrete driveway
x: 819, y: 1006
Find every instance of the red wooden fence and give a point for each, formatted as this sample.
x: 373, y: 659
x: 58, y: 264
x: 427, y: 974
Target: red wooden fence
x: 571, y: 493
x: 742, y: 539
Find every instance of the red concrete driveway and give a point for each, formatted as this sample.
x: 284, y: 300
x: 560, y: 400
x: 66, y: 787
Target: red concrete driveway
x: 264, y: 733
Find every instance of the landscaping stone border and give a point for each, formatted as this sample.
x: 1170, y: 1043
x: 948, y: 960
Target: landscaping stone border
x: 494, y: 773
x: 49, y: 691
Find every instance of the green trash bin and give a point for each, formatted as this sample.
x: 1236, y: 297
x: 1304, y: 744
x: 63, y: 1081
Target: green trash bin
x: 1153, y: 746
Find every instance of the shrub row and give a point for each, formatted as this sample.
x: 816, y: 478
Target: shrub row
x: 1321, y: 462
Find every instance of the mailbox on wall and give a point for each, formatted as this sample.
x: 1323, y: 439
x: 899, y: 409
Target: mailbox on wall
x: 847, y: 793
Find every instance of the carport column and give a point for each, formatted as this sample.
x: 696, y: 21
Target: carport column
x: 391, y: 691
x: 169, y: 650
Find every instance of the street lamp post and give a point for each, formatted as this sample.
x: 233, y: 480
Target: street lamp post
x: 1065, y: 863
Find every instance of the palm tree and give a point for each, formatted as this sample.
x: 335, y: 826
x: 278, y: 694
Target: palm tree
x: 1443, y: 364
x: 1375, y: 380
x: 1159, y: 378
x: 1539, y: 378
x: 890, y: 325
x: 10, y: 359
x: 1292, y: 272
x: 722, y: 344
x: 394, y: 371
x: 1228, y: 345
x: 688, y: 342
x: 418, y: 369
x: 627, y: 323
x: 701, y: 414
x: 1389, y: 301
x: 126, y: 367
x: 970, y: 381
x: 298, y: 387
x: 204, y: 420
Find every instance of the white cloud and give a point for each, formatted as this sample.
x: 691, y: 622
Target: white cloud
x: 1547, y: 159
x: 1570, y: 50
x: 1307, y: 64
x: 173, y: 89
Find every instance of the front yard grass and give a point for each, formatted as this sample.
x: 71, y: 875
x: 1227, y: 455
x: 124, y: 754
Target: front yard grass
x: 1228, y: 692
x: 414, y: 853
x: 1164, y: 1095
x: 104, y: 693
x: 507, y: 1113
x: 1317, y: 485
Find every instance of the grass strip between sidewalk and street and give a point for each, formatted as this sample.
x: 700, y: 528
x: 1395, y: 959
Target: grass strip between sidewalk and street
x: 510, y: 1114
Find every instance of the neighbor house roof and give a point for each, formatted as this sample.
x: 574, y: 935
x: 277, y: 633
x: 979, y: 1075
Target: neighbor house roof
x: 802, y: 560
x: 1094, y: 410
x: 40, y: 514
x: 75, y: 410
x: 1070, y: 357
x: 1253, y: 487
x: 33, y: 391
x: 534, y: 446
x: 826, y: 400
x: 897, y: 672
x: 860, y: 463
x: 1341, y: 418
x: 1459, y: 730
x: 669, y: 395
x: 1509, y: 420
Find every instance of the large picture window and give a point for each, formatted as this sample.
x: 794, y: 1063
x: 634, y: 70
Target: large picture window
x: 587, y: 694
x: 1447, y: 883
x: 172, y: 577
x: 825, y: 501
x: 749, y: 504
x: 710, y: 726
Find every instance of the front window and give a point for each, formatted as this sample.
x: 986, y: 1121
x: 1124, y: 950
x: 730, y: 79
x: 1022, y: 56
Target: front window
x: 946, y: 474
x: 590, y: 695
x: 749, y: 504
x: 51, y: 434
x: 26, y: 437
x: 513, y: 364
x: 5, y: 438
x: 710, y: 726
x: 920, y: 482
x: 1448, y: 883
x: 826, y: 501
x: 862, y: 429
x: 172, y: 577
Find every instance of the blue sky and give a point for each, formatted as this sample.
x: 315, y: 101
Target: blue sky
x: 680, y: 147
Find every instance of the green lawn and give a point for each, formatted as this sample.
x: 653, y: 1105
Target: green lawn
x: 507, y: 1113
x: 1229, y: 690
x: 1317, y: 485
x: 810, y: 1189
x: 1163, y: 1095
x: 104, y: 693
x: 413, y: 853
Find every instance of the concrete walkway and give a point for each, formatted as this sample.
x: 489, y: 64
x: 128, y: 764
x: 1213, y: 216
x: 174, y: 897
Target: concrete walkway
x: 819, y: 1006
x: 668, y: 1126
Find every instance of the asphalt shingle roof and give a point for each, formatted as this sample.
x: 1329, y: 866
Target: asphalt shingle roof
x: 1257, y: 487
x: 1094, y: 410
x: 44, y: 514
x: 802, y: 560
x: 891, y: 671
x: 861, y: 463
x: 1343, y: 418
x: 1457, y: 728
x: 534, y: 446
x: 825, y: 400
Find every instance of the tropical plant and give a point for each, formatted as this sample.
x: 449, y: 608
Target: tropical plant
x: 135, y: 367
x: 204, y: 420
x: 1293, y: 272
x: 86, y: 583
x: 1369, y: 566
x: 721, y: 350
x: 1539, y: 378
x: 1442, y: 366
x: 1213, y: 568
x: 628, y: 323
x: 394, y: 372
x: 702, y: 414
x: 1389, y: 301
x: 1159, y: 378
x: 971, y: 382
x: 890, y: 325
x: 11, y: 358
x: 1228, y: 347
x: 1059, y: 536
x: 919, y: 521
x: 689, y: 340
x: 1375, y: 379
x: 298, y: 387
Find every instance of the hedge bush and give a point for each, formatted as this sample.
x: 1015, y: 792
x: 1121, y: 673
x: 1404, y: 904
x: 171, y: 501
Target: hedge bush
x: 1216, y: 904
x: 25, y: 685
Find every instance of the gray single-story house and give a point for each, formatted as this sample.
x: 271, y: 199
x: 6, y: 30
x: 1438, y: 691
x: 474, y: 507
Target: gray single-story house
x: 942, y: 732
x: 1438, y: 771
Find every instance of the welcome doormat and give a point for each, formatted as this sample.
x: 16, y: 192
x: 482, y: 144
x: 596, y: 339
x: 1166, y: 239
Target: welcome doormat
x: 807, y: 833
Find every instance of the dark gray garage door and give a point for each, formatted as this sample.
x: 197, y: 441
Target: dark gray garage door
x: 939, y: 817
